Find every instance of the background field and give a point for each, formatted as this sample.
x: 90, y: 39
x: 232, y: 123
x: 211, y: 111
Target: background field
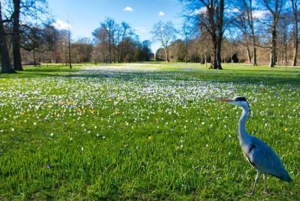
x: 143, y: 132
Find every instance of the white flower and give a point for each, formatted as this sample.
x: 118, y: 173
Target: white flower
x: 51, y: 134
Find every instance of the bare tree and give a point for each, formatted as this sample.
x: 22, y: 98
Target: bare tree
x: 24, y: 9
x: 123, y: 32
x: 5, y: 60
x: 110, y: 26
x: 16, y: 35
x: 82, y: 50
x: 31, y: 40
x: 209, y: 15
x: 204, y: 47
x: 69, y: 48
x: 283, y: 39
x: 101, y: 41
x: 295, y: 5
x: 246, y: 18
x: 164, y: 32
x: 274, y: 7
x: 242, y: 25
x: 187, y: 30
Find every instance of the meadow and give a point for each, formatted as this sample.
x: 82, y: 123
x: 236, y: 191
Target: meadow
x: 144, y: 132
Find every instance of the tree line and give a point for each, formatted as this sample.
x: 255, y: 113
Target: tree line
x: 28, y: 36
x: 219, y: 30
x: 115, y: 42
x: 214, y: 31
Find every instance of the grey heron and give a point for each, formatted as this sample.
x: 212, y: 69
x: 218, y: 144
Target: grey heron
x: 258, y: 153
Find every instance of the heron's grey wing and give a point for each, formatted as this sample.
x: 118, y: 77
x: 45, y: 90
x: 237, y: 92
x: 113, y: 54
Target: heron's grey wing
x: 266, y: 160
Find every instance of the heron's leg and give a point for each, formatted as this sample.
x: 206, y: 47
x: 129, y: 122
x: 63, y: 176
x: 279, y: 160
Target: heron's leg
x: 256, y: 179
x: 265, y: 180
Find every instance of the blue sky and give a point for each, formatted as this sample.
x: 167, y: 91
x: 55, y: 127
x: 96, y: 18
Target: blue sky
x: 84, y: 16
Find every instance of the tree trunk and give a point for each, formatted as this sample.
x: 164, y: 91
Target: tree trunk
x: 216, y: 57
x: 254, y: 56
x: 273, y: 55
x: 217, y: 36
x: 109, y: 48
x: 295, y: 52
x: 186, y: 50
x: 251, y: 25
x: 253, y: 41
x: 34, y: 59
x: 205, y: 56
x: 219, y: 66
x: 69, y: 47
x: 285, y: 47
x: 248, y: 54
x: 295, y: 11
x: 167, y: 54
x: 16, y: 36
x: 5, y: 60
x: 246, y: 38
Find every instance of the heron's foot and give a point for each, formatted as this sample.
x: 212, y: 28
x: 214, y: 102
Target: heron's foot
x: 250, y: 194
x: 266, y: 192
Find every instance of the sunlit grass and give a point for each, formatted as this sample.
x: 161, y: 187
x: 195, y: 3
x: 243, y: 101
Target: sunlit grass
x: 143, y: 131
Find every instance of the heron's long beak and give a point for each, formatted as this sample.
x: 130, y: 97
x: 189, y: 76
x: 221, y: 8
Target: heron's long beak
x: 226, y: 100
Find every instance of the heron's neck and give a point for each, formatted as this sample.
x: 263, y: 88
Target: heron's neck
x: 242, y: 133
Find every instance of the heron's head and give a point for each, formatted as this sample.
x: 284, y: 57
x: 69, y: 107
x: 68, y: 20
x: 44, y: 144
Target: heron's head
x: 239, y: 100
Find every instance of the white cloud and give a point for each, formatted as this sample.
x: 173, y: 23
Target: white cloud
x: 141, y: 29
x: 60, y: 25
x: 200, y: 11
x: 260, y: 14
x: 161, y: 13
x: 236, y: 10
x: 128, y: 9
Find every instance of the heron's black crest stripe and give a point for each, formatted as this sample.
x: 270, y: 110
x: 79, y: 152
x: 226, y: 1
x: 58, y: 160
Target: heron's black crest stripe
x: 240, y: 99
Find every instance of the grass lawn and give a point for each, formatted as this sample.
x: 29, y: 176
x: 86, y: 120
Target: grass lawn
x: 144, y: 132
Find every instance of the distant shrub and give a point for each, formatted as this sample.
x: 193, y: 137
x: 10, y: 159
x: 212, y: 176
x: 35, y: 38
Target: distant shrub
x: 128, y: 58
